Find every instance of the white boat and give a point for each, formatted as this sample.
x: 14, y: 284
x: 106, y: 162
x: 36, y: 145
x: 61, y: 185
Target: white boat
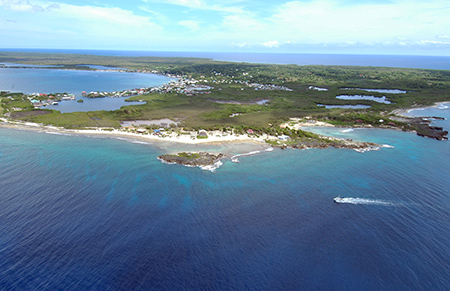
x: 339, y: 199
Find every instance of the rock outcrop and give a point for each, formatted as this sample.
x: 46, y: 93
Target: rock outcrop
x: 192, y: 159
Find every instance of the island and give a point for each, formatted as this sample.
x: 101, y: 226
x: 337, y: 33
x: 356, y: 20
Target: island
x: 193, y: 159
x: 215, y: 101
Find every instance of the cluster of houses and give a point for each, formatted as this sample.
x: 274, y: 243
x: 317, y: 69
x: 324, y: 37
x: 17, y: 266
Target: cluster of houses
x: 257, y: 86
x: 41, y: 99
x: 269, y: 87
x: 180, y: 85
x: 226, y: 79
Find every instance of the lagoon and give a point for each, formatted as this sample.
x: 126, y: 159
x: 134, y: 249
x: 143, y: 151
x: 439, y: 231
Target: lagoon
x: 384, y: 91
x: 92, y: 104
x: 364, y: 97
x: 34, y: 80
x: 358, y: 106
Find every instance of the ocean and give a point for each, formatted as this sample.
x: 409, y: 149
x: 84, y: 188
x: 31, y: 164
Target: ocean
x: 85, y: 213
x: 399, y: 61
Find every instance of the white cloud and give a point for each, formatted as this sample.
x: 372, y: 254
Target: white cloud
x: 191, y: 24
x: 320, y: 22
x: 250, y: 25
x: 240, y: 45
x: 271, y: 44
x: 443, y: 36
x: 82, y: 26
x: 202, y: 5
x: 52, y: 6
x: 432, y: 42
x: 21, y: 6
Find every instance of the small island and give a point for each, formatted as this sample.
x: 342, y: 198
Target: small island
x: 193, y: 159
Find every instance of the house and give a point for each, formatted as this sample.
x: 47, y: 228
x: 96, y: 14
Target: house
x: 283, y: 137
x: 250, y: 131
x: 202, y: 133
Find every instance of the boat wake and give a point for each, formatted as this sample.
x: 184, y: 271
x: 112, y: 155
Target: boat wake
x: 235, y: 159
x: 356, y: 201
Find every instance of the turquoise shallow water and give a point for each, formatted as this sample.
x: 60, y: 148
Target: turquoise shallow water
x: 93, y: 213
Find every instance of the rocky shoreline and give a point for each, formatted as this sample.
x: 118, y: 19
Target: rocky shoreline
x: 422, y: 127
x: 192, y: 159
x: 328, y: 142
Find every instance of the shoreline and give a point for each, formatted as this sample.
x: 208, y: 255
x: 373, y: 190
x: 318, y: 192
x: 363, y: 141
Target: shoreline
x: 402, y: 111
x: 253, y: 144
x: 230, y: 148
x: 183, y: 139
x: 173, y: 141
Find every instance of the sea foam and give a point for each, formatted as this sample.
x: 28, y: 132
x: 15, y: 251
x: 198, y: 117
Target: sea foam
x: 356, y: 201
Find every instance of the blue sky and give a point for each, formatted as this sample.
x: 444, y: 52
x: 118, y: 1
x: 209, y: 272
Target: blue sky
x: 313, y: 26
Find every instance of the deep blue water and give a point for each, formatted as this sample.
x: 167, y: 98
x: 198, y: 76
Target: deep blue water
x: 421, y: 62
x: 85, y: 213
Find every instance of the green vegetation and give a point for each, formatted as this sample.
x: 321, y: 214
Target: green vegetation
x: 232, y: 101
x: 187, y: 155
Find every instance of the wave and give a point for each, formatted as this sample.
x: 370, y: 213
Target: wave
x: 356, y: 201
x: 443, y: 107
x: 58, y: 133
x: 212, y: 168
x: 140, y: 142
x: 348, y: 130
x: 234, y: 158
x: 367, y: 149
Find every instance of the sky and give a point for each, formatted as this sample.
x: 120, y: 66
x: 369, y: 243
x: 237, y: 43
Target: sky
x: 405, y: 27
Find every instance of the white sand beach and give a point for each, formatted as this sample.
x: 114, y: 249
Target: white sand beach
x: 185, y: 138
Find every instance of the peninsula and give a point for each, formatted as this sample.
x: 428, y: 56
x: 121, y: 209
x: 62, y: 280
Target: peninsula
x: 210, y: 101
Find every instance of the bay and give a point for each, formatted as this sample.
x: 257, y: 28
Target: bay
x: 74, y: 81
x: 35, y: 80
